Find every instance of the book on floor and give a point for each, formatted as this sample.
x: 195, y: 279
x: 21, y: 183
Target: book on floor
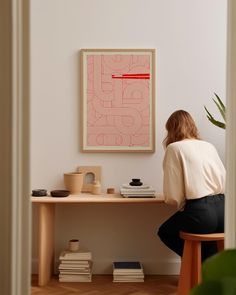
x: 127, y: 266
x: 75, y: 266
x: 75, y: 278
x: 78, y: 255
x: 128, y: 271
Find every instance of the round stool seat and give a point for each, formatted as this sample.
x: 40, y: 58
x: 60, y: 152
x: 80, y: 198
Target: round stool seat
x: 202, y: 237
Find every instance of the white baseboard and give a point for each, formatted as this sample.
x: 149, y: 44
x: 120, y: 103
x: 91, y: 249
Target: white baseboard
x: 164, y: 267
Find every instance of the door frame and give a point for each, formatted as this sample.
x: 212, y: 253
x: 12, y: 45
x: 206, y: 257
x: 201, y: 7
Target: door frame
x: 15, y: 207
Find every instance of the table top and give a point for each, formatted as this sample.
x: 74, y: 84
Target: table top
x: 103, y: 198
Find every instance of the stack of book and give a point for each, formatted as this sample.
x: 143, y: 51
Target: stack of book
x: 75, y: 266
x: 128, y: 271
x: 142, y: 191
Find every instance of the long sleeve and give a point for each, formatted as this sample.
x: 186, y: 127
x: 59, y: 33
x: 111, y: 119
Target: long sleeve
x: 173, y: 185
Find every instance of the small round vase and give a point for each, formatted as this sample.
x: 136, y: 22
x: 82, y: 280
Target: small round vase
x: 73, y: 182
x: 135, y: 182
x: 73, y: 245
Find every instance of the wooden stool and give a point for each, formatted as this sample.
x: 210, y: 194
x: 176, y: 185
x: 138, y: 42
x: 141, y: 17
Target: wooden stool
x: 190, y: 271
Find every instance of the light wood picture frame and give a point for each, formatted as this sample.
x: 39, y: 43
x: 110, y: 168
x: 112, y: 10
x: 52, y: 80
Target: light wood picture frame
x: 117, y: 100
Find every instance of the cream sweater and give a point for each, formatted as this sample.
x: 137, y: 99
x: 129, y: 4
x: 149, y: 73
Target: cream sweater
x: 192, y: 169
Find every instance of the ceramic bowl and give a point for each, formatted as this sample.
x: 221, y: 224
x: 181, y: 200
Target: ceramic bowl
x: 135, y: 182
x: 60, y: 193
x: 39, y: 192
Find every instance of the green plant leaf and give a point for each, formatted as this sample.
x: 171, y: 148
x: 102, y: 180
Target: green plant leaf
x: 223, y: 286
x: 220, y: 106
x: 214, y: 121
x: 207, y: 288
x: 220, y: 265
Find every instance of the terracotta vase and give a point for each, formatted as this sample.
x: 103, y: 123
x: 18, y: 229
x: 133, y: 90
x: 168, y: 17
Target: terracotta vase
x: 73, y: 182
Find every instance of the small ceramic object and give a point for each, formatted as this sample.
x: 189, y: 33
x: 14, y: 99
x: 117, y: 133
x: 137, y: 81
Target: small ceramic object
x: 96, y: 190
x: 73, y: 182
x: 73, y: 245
x: 60, y: 193
x: 91, y: 174
x: 110, y: 190
x: 135, y: 182
x: 39, y: 192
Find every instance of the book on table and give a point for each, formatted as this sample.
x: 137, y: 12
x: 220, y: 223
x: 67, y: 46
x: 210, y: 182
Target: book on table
x: 142, y: 191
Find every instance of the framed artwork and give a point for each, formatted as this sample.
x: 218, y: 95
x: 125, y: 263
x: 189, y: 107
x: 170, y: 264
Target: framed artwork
x: 118, y: 100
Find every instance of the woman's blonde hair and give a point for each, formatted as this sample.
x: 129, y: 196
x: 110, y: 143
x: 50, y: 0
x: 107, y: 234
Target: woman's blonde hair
x: 179, y: 126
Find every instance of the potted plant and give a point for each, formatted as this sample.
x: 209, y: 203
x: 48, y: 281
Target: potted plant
x: 221, y: 107
x: 218, y: 275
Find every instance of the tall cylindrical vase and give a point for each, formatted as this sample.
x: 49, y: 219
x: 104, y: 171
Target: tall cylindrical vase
x: 73, y: 182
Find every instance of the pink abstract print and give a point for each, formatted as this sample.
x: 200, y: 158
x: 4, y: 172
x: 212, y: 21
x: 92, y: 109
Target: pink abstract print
x: 118, y: 100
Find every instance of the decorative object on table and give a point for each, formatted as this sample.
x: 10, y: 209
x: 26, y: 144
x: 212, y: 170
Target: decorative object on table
x: 135, y: 182
x: 110, y: 190
x: 221, y: 107
x: 118, y: 100
x: 39, y: 192
x: 137, y: 191
x: 128, y: 271
x: 60, y: 193
x: 96, y: 188
x: 91, y: 174
x: 75, y: 266
x: 73, y: 182
x: 73, y: 245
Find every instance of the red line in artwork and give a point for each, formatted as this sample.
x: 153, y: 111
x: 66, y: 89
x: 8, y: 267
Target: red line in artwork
x: 140, y: 75
x: 131, y: 76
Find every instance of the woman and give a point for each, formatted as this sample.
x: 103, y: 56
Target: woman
x: 194, y: 182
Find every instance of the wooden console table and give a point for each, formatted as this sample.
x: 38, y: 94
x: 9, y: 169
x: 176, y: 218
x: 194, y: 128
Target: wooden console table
x: 46, y: 223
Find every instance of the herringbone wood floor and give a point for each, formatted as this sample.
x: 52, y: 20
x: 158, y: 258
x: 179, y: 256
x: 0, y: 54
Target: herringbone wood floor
x: 103, y: 285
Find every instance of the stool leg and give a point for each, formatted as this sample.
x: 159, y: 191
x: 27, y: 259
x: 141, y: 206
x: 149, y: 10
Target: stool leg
x: 220, y: 245
x: 196, y: 264
x: 184, y: 285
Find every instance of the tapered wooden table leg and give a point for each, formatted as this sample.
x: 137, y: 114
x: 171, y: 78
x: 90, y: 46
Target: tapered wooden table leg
x: 46, y: 242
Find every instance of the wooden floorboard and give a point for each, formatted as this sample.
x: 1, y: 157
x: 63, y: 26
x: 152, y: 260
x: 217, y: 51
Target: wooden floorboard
x: 103, y: 285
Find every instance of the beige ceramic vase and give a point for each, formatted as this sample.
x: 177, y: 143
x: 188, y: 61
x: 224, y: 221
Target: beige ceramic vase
x: 73, y: 182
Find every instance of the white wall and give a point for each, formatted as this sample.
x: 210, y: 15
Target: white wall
x: 190, y: 40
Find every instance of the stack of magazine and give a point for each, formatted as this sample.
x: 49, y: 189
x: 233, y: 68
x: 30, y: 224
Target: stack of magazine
x: 128, y: 271
x: 142, y: 191
x: 75, y: 266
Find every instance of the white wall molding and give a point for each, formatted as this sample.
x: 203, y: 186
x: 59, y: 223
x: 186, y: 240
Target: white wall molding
x: 15, y: 246
x: 159, y: 267
x: 230, y: 210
